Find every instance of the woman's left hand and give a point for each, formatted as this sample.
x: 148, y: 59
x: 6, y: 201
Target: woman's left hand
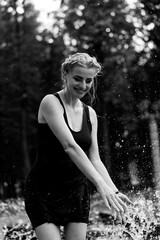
x: 120, y: 216
x: 124, y: 198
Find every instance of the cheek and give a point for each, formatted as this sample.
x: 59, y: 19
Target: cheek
x: 90, y: 85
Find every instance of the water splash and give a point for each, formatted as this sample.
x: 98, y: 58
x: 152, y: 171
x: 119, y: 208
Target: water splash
x: 142, y: 220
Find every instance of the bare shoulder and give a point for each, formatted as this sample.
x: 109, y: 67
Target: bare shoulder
x: 49, y: 106
x: 49, y: 103
x: 93, y: 115
x: 48, y: 99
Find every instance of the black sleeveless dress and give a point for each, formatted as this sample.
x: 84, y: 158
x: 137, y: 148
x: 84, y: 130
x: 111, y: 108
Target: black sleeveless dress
x: 56, y: 190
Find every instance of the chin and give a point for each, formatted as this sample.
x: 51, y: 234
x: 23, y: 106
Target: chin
x: 81, y: 95
x: 78, y: 93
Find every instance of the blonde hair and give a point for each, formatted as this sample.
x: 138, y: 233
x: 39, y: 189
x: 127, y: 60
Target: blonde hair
x: 82, y: 60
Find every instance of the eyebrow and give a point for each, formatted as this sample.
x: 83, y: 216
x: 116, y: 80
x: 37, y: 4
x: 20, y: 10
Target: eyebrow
x: 82, y: 77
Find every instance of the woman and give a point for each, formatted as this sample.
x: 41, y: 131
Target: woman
x: 57, y: 188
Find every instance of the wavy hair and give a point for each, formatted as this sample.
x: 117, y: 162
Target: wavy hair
x: 82, y: 60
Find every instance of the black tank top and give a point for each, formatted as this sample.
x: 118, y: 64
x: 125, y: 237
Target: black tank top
x: 53, y: 169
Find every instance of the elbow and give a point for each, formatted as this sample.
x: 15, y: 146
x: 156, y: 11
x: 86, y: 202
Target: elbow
x: 69, y: 147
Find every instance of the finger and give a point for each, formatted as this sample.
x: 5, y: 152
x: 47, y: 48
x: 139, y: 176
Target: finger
x: 119, y: 217
x: 114, y: 214
x: 116, y: 206
x: 116, y: 203
x: 120, y: 201
x: 125, y: 198
x: 128, y: 200
x: 123, y: 219
x: 106, y: 203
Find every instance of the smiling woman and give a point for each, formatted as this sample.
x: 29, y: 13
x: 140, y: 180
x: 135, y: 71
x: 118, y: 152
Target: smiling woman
x: 57, y: 191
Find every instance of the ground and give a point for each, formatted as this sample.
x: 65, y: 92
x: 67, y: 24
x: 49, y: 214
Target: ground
x: 142, y: 220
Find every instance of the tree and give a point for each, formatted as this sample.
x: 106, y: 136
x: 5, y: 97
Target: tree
x: 147, y: 88
x: 29, y: 68
x: 19, y: 56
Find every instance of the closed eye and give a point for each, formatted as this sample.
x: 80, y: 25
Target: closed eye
x: 89, y: 80
x: 79, y: 79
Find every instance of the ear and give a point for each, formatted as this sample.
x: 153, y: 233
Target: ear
x: 64, y: 76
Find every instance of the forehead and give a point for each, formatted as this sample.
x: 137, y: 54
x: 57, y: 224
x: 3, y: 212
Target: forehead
x: 84, y: 72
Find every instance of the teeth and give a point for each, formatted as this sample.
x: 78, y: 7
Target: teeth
x: 81, y: 90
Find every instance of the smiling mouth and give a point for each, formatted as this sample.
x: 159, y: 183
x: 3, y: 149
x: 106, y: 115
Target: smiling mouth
x: 81, y: 90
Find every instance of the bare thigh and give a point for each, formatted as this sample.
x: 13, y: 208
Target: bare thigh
x: 75, y: 231
x: 48, y: 231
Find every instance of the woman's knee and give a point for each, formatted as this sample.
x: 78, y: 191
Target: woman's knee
x: 75, y: 231
x: 48, y: 231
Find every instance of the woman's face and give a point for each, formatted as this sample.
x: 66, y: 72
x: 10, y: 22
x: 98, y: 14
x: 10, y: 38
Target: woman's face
x: 79, y: 80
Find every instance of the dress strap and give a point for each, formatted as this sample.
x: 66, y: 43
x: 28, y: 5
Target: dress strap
x: 57, y: 95
x: 86, y: 107
x: 65, y: 115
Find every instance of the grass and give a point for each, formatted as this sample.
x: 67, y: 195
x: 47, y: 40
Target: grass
x: 142, y: 220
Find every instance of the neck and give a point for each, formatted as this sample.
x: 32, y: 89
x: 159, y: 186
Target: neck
x: 69, y: 99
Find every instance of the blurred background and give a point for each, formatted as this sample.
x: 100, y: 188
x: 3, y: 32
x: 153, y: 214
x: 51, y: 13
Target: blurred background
x: 36, y: 36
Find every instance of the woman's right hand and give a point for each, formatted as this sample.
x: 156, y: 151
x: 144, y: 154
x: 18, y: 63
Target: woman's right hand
x: 111, y: 200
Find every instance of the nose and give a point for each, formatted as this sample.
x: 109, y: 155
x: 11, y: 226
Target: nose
x: 83, y: 85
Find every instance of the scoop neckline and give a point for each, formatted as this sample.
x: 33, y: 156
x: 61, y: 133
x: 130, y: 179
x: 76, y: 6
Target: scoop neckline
x: 67, y: 117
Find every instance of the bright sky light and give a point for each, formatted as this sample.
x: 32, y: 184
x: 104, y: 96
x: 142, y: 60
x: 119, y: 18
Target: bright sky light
x: 45, y: 7
x: 131, y: 3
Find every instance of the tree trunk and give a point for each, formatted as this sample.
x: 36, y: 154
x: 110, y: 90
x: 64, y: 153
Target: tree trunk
x: 155, y: 150
x: 105, y: 136
x: 27, y: 165
x: 19, y: 35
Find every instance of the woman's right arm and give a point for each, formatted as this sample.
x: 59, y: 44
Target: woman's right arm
x: 52, y: 112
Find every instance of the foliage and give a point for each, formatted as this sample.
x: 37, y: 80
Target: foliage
x: 152, y: 66
x: 142, y: 220
x: 109, y: 30
x: 19, y: 78
x: 101, y: 28
x: 25, y: 56
x: 30, y: 68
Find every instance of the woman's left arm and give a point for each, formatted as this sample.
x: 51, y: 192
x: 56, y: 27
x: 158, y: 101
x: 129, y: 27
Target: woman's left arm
x: 94, y: 152
x: 95, y: 157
